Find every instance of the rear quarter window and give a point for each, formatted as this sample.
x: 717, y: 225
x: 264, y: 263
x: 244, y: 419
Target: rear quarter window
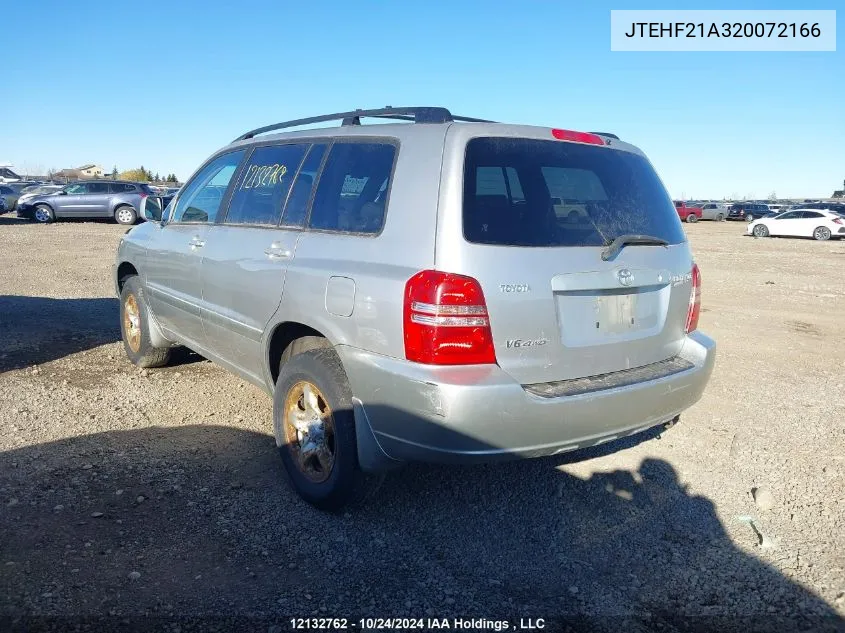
x: 569, y: 194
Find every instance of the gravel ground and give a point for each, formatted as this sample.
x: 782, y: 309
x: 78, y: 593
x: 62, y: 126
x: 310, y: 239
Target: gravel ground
x: 160, y: 493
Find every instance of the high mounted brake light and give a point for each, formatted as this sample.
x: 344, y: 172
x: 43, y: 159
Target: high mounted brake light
x: 578, y: 137
x: 446, y: 320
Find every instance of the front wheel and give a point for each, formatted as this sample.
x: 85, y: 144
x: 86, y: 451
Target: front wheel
x: 761, y: 230
x: 821, y: 233
x: 749, y: 218
x: 125, y: 215
x: 43, y: 214
x: 314, y: 427
x: 135, y: 327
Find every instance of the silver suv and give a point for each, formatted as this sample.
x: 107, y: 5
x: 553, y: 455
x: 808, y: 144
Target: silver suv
x: 89, y: 199
x: 408, y: 292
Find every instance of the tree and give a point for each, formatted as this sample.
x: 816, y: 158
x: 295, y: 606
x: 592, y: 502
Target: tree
x: 156, y: 179
x: 114, y: 173
x: 138, y: 175
x: 773, y: 196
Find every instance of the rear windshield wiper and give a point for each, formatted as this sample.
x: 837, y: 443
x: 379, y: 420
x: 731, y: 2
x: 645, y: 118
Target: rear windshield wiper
x: 616, y: 245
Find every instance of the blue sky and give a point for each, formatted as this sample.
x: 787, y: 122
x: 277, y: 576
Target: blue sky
x: 165, y: 84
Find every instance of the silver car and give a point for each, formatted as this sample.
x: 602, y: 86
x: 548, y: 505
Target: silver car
x: 88, y: 199
x: 716, y: 211
x: 407, y: 292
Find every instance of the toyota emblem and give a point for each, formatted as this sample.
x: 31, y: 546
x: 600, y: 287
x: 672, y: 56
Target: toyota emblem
x: 625, y: 277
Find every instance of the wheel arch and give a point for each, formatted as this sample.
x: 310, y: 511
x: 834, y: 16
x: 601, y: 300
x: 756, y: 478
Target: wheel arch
x: 280, y: 338
x: 124, y: 271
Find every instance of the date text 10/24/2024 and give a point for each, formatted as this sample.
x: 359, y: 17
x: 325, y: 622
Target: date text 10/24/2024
x: 422, y: 624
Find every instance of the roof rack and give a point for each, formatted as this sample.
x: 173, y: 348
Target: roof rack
x: 417, y: 114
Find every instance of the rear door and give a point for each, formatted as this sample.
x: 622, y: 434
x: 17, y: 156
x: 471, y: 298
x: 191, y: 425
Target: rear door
x: 557, y: 309
x: 246, y: 257
x: 810, y: 221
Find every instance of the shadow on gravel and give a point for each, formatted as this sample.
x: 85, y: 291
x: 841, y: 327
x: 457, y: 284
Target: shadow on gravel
x: 197, y: 522
x: 37, y: 330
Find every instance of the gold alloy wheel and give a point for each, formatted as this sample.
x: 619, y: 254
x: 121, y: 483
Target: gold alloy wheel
x: 309, y: 431
x: 132, y: 323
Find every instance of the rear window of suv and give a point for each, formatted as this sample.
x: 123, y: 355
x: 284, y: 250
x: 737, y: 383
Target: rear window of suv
x: 510, y: 186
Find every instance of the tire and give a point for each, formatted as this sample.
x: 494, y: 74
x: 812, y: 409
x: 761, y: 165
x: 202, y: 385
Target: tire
x: 822, y: 233
x: 720, y: 218
x: 321, y: 462
x: 43, y: 214
x: 749, y: 218
x: 761, y: 230
x: 125, y: 214
x: 692, y: 218
x: 134, y: 327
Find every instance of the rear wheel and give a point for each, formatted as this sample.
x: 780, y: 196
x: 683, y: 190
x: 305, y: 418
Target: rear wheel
x: 314, y: 427
x: 692, y: 218
x: 125, y: 215
x: 134, y: 328
x: 821, y: 233
x: 761, y: 230
x: 43, y: 214
x: 720, y: 218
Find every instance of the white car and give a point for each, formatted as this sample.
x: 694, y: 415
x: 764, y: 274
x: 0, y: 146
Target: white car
x: 816, y: 223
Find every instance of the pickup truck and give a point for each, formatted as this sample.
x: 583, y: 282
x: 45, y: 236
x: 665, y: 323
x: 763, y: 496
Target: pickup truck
x: 686, y: 213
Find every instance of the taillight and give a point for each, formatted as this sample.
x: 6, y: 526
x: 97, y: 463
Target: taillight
x: 694, y: 301
x: 143, y: 195
x: 578, y: 137
x: 446, y: 321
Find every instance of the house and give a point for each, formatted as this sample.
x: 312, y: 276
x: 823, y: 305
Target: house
x: 91, y: 171
x: 80, y: 173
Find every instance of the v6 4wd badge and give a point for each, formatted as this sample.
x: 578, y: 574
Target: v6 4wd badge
x: 520, y: 342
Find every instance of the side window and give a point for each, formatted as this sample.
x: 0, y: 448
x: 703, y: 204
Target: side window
x: 351, y: 195
x: 498, y: 181
x: 812, y: 214
x: 490, y: 181
x: 264, y: 185
x: 76, y: 188
x: 121, y: 187
x: 575, y: 184
x: 98, y: 187
x: 200, y: 200
x: 296, y: 209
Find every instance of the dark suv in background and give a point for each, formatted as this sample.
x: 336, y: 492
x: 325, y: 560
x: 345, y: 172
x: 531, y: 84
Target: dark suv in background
x: 749, y: 211
x: 90, y: 199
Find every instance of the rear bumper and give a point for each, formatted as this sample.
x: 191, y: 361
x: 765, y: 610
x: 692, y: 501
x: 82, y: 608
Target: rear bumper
x: 479, y: 413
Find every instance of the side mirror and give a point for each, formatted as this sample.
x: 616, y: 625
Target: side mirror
x: 151, y: 209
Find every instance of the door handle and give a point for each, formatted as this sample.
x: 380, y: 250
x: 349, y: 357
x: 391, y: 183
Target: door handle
x: 196, y: 243
x: 275, y: 252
